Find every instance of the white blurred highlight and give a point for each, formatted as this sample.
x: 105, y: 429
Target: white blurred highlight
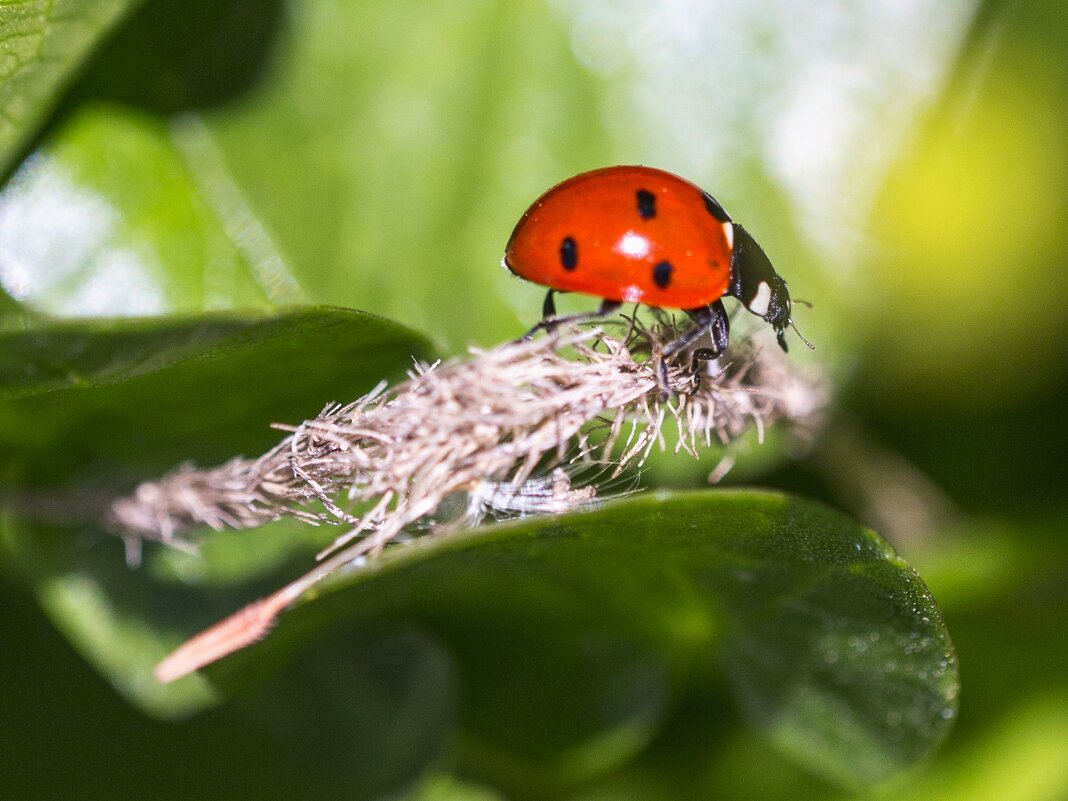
x: 57, y: 249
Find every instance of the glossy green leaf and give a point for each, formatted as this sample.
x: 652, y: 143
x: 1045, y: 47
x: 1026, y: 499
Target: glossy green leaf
x: 109, y: 402
x: 572, y: 636
x: 574, y: 639
x: 43, y: 42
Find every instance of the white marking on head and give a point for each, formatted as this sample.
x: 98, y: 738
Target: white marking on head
x: 632, y: 294
x: 633, y: 245
x: 728, y: 230
x: 760, y: 303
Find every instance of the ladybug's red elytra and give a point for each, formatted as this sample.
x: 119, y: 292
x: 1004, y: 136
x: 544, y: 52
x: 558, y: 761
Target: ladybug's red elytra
x: 632, y: 234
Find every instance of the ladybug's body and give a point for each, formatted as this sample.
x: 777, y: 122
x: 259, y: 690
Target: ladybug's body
x: 629, y: 234
x: 642, y: 235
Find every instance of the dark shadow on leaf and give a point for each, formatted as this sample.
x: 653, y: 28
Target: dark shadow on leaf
x: 175, y: 57
x: 360, y: 719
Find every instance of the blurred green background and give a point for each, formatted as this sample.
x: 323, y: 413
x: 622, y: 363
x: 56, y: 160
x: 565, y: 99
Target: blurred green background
x: 904, y: 164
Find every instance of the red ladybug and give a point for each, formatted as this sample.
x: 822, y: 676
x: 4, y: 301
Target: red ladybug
x: 642, y: 235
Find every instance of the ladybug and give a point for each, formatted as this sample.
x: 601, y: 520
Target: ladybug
x: 633, y: 234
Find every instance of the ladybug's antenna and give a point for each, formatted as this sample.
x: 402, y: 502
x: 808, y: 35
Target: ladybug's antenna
x: 793, y: 325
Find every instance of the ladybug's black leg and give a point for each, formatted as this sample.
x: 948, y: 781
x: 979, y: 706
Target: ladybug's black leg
x: 548, y: 308
x: 551, y: 323
x: 713, y: 319
x: 701, y: 355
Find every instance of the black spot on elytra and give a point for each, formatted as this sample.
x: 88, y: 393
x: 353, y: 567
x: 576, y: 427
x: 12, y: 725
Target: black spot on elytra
x: 569, y: 253
x: 715, y: 209
x: 646, y: 204
x: 662, y: 274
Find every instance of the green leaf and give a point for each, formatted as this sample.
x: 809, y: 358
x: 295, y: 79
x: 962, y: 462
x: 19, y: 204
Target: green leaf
x: 305, y: 736
x: 572, y: 636
x: 43, y: 43
x: 113, y: 401
x: 88, y: 408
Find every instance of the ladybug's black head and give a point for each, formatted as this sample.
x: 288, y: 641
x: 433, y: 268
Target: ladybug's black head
x: 756, y: 284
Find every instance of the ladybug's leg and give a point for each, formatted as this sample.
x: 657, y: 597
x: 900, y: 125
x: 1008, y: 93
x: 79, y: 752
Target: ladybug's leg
x: 551, y: 323
x: 548, y: 307
x: 713, y: 319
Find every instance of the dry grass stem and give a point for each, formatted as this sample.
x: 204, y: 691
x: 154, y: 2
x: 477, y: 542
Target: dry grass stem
x: 510, y: 430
